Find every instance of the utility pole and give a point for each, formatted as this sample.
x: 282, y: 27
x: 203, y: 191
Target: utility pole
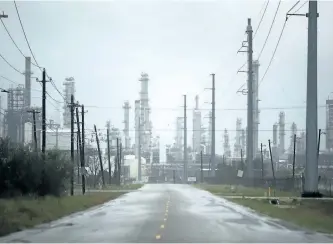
x: 109, y: 160
x: 262, y: 163
x: 119, y: 162
x: 272, y: 164
x: 100, y: 156
x: 249, y: 144
x: 311, y: 166
x: 80, y: 150
x: 213, y: 126
x: 201, y: 167
x: 83, y: 166
x: 185, y: 141
x: 294, y: 159
x: 72, y: 143
x: 78, y: 157
x: 139, y: 152
x: 34, y: 112
x: 43, y: 81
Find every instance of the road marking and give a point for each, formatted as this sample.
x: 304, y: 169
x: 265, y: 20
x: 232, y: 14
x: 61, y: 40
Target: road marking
x: 165, y: 219
x: 162, y: 226
x: 158, y: 237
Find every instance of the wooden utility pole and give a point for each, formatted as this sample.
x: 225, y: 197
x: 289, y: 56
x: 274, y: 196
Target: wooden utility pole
x: 83, y: 167
x: 79, y: 153
x: 294, y: 158
x: 213, y: 127
x: 201, y: 167
x: 185, y: 142
x: 72, y: 105
x: 262, y: 162
x: 78, y: 157
x: 270, y: 152
x: 117, y: 162
x: 43, y: 81
x: 109, y: 160
x: 34, y: 112
x: 120, y: 162
x: 100, y: 156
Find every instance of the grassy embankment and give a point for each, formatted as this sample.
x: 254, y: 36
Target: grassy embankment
x: 127, y: 187
x: 21, y: 213
x: 313, y: 214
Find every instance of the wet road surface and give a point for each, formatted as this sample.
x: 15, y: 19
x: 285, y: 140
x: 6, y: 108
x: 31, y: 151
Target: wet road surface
x: 166, y: 213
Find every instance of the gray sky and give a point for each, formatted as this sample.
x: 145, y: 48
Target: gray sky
x: 106, y: 45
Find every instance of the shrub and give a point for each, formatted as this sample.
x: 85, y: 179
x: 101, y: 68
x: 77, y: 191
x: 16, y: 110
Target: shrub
x: 22, y: 171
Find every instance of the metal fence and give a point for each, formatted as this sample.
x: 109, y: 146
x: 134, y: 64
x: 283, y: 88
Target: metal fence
x: 287, y: 184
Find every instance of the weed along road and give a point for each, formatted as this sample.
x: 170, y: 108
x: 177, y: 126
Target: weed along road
x: 167, y: 213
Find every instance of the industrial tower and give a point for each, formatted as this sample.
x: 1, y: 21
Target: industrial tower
x: 68, y: 91
x: 145, y: 123
x: 329, y: 125
x: 179, y: 137
x: 293, y: 130
x: 256, y: 111
x: 226, y: 144
x: 243, y: 141
x: 18, y: 102
x: 196, y: 127
x: 281, y: 133
x: 238, y: 145
x: 209, y: 139
x: 126, y: 108
x: 137, y: 128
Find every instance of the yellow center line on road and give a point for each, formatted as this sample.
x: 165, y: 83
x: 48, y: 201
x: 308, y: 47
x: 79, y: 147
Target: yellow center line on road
x: 162, y: 226
x: 158, y: 237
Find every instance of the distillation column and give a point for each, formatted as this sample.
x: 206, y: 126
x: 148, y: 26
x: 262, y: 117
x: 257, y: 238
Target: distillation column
x: 126, y: 108
x: 137, y: 128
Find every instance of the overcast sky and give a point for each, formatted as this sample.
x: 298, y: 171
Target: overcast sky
x: 106, y: 45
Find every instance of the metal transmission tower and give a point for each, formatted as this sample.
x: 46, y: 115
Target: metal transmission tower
x: 249, y: 146
x: 311, y: 166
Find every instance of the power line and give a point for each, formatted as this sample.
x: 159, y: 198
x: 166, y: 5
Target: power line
x: 293, y: 6
x: 169, y: 129
x: 3, y: 23
x: 262, y: 17
x: 37, y: 65
x: 300, y: 7
x: 25, y: 36
x: 208, y: 109
x: 11, y: 65
x: 276, y: 47
x: 270, y: 29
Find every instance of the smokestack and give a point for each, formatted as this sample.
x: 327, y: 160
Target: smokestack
x: 196, y: 102
x: 27, y: 74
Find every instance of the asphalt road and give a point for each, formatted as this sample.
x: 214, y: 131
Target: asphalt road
x: 167, y: 213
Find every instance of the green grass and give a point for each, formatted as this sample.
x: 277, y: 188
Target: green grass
x: 311, y: 214
x: 21, y: 213
x: 234, y: 190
